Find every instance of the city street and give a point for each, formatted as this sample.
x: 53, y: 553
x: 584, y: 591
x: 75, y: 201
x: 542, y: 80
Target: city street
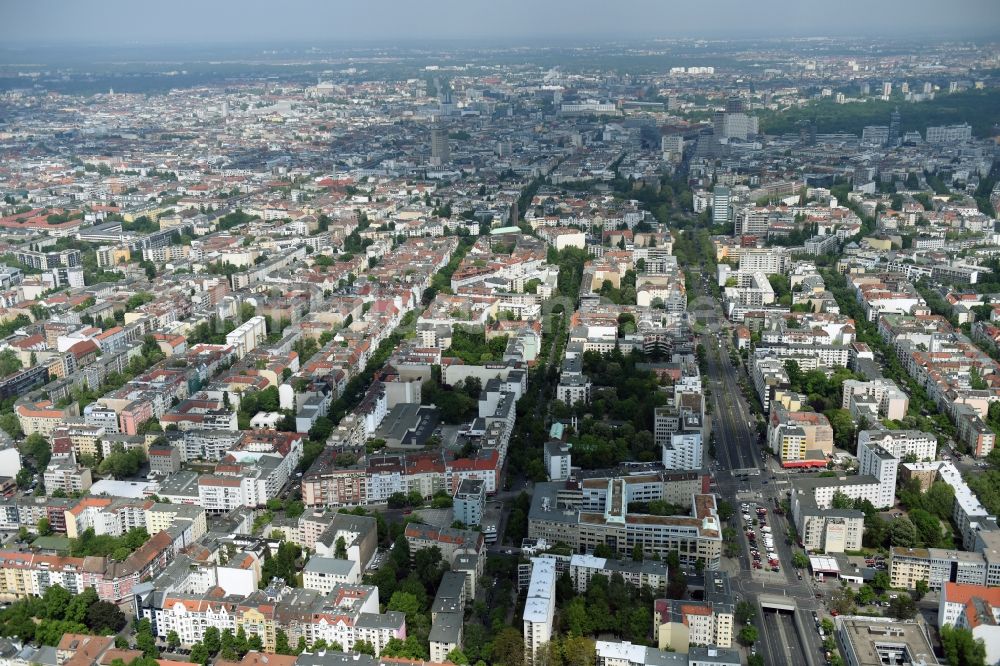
x: 743, y: 475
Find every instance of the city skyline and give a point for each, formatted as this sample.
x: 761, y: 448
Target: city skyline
x: 453, y: 335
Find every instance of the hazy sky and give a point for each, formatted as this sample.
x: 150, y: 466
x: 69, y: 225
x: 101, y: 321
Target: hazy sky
x: 242, y: 21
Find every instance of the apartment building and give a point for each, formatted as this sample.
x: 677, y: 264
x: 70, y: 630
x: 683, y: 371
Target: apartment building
x: 829, y: 530
x: 768, y: 260
x: 346, y: 615
x: 325, y: 573
x: 768, y: 374
x: 888, y: 400
x: 976, y: 609
x: 84, y: 439
x: 42, y: 418
x: 901, y: 443
x: 675, y: 487
x: 636, y: 574
x: 875, y: 461
x: 30, y: 574
x: 799, y: 439
x: 470, y: 502
x: 245, y: 337
x: 812, y: 502
x: 539, y: 609
x: 682, y: 624
x: 968, y: 513
x: 574, y: 386
x: 325, y: 484
x: 450, y: 541
x: 67, y: 476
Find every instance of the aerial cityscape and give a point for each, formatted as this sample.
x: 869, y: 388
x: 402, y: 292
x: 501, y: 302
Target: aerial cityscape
x: 435, y: 334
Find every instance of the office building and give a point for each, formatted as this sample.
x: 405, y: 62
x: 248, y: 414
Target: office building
x: 720, y: 205
x: 558, y: 460
x: 440, y: 150
x: 935, y: 566
x: 877, y: 641
x: 949, y: 134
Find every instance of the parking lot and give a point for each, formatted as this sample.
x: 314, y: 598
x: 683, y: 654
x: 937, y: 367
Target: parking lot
x: 764, y: 556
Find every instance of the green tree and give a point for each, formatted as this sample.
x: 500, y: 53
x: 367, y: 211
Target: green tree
x: 106, y: 618
x: 508, y: 648
x: 144, y: 639
x: 745, y: 611
x: 79, y: 605
x: 903, y: 607
x: 281, y: 645
x: 881, y: 582
x: 865, y: 595
x: 842, y: 601
x: 38, y: 448
x: 748, y: 634
x: 842, y: 501
x: 212, y: 640
x: 199, y: 655
x: 578, y: 651
x: 456, y: 656
x: 9, y: 362
x: 406, y: 603
x: 44, y: 527
x: 928, y: 528
x: 10, y: 424
x: 55, y: 602
x: 961, y: 648
x: 902, y: 533
x: 400, y: 555
x: 576, y: 620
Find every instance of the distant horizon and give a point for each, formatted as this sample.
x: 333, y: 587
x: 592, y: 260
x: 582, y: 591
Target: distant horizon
x: 538, y: 40
x: 235, y: 23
